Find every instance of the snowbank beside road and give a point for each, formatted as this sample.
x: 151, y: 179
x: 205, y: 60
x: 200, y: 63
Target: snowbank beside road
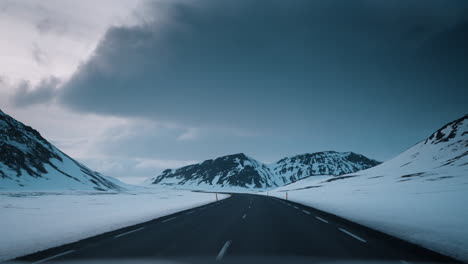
x: 32, y: 222
x: 432, y: 215
x: 420, y: 195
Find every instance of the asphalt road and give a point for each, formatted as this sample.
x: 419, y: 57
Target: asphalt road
x: 244, y: 228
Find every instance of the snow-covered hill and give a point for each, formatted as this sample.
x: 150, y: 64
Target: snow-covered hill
x: 239, y: 171
x: 445, y: 151
x: 420, y: 195
x: 30, y: 162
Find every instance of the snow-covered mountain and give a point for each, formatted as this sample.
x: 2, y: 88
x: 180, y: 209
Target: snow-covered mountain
x: 321, y: 163
x: 30, y: 162
x: 240, y: 171
x: 236, y: 170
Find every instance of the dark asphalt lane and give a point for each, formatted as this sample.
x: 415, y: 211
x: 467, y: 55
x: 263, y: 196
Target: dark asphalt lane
x: 244, y: 227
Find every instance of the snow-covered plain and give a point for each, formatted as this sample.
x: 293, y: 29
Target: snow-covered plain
x: 34, y: 221
x: 420, y: 196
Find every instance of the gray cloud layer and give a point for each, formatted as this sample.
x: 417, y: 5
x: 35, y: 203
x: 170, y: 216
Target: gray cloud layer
x: 44, y: 92
x: 335, y: 69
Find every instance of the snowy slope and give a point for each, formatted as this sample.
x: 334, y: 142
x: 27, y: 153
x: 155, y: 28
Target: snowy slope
x: 29, y: 162
x: 420, y: 195
x: 239, y: 172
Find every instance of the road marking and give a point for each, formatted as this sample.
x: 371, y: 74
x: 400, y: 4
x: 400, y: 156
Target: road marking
x: 352, y: 235
x: 404, y: 262
x: 129, y: 232
x: 223, y: 250
x: 244, y: 216
x: 295, y: 207
x: 321, y: 219
x: 305, y: 211
x: 53, y: 257
x: 191, y: 212
x: 167, y: 220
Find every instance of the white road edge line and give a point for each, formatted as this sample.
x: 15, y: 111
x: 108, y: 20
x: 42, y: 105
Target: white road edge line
x: 307, y: 212
x: 244, y: 216
x: 55, y: 256
x: 129, y: 232
x: 352, y: 235
x: 223, y: 250
x: 321, y: 219
x: 167, y: 220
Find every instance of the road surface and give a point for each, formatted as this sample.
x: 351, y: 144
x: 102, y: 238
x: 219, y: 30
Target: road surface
x: 243, y: 227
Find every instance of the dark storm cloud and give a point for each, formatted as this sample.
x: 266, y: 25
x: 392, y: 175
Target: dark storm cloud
x: 285, y: 66
x: 44, y: 92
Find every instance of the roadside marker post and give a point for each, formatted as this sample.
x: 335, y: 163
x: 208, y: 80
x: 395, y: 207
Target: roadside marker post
x: 216, y: 196
x: 286, y: 196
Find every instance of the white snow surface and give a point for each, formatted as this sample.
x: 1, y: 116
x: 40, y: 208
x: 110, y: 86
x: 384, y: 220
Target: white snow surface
x: 420, y: 196
x: 34, y: 221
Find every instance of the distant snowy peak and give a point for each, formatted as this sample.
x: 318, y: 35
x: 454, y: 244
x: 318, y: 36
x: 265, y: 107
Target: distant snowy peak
x: 321, y: 163
x: 236, y: 170
x: 28, y: 161
x: 451, y: 131
x: 240, y: 171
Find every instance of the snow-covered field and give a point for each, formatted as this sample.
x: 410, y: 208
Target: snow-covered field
x: 420, y: 196
x: 34, y: 221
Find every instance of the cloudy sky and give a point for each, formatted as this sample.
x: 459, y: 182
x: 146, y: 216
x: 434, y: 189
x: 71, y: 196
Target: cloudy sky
x: 133, y: 87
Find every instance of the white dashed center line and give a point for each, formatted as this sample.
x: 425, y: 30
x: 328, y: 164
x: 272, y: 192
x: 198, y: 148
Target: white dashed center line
x: 307, y: 212
x: 244, y: 216
x: 321, y: 219
x: 223, y: 250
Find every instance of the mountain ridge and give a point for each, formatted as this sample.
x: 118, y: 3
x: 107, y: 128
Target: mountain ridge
x: 252, y: 174
x: 29, y: 162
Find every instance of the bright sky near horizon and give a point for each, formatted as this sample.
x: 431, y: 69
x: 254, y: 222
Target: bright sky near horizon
x: 130, y: 88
